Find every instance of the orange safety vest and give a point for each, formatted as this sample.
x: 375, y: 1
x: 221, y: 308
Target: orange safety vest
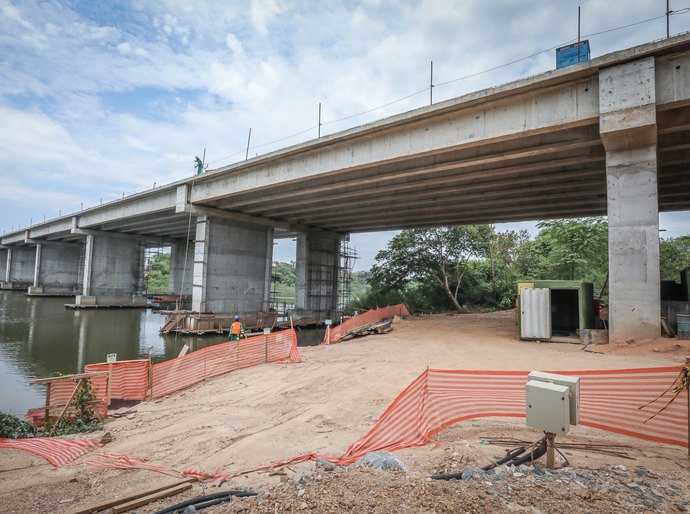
x: 236, y: 328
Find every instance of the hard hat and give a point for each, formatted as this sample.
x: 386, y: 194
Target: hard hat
x: 237, y: 318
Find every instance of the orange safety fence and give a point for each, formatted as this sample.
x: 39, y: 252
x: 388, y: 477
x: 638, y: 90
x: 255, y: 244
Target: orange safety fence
x: 137, y: 379
x: 612, y: 400
x: 176, y: 374
x: 59, y: 392
x: 334, y: 334
x: 129, y: 380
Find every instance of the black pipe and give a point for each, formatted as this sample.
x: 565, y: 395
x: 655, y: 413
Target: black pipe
x: 533, y: 455
x: 508, y: 457
x: 224, y: 495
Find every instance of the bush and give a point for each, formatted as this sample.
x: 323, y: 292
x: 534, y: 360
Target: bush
x: 11, y: 427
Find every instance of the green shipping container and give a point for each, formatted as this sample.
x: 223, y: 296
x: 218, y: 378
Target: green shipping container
x: 554, y: 310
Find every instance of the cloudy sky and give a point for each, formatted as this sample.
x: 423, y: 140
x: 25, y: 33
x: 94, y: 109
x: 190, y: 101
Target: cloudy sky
x: 101, y: 98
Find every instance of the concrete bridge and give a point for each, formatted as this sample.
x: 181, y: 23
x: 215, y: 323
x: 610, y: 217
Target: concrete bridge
x: 604, y: 137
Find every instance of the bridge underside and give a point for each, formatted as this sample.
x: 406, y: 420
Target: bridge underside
x: 559, y: 173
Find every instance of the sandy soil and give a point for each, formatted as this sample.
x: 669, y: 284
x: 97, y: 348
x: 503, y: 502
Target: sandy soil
x: 252, y: 417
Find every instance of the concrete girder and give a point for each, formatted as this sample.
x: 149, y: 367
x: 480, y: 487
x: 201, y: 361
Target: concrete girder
x: 465, y: 185
x: 372, y: 181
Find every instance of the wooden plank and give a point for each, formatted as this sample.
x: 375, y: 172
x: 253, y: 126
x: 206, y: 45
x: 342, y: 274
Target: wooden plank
x: 41, y: 381
x: 97, y: 507
x: 124, y: 507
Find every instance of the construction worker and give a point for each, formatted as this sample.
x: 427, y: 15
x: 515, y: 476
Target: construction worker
x: 236, y: 330
x: 199, y: 165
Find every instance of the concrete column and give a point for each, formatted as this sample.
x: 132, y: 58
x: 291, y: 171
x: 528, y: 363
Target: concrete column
x: 21, y: 262
x: 316, y: 288
x: 112, y: 269
x: 229, y: 266
x: 57, y: 268
x: 627, y: 101
x: 181, y: 267
x: 4, y: 264
x: 37, y: 265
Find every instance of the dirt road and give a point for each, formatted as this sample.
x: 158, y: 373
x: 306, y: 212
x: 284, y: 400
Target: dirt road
x: 252, y: 417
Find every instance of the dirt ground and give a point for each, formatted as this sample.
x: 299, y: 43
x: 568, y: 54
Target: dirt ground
x: 252, y: 417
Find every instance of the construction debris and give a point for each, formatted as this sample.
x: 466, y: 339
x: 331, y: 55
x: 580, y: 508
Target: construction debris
x: 378, y: 327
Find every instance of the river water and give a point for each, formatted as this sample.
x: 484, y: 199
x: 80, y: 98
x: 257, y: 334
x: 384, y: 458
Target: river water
x: 40, y: 337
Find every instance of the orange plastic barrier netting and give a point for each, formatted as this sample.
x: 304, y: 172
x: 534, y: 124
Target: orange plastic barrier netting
x: 370, y: 316
x: 611, y: 400
x: 129, y: 380
x: 176, y: 374
x: 56, y: 451
x: 60, y: 392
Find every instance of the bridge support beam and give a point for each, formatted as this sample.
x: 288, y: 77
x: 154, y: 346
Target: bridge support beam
x: 113, y: 271
x: 56, y: 269
x: 19, y: 267
x: 232, y: 266
x: 181, y: 267
x: 4, y: 260
x: 627, y: 98
x: 318, y: 259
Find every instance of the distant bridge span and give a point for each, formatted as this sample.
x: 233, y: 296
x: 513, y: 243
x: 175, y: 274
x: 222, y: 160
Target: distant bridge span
x: 604, y: 137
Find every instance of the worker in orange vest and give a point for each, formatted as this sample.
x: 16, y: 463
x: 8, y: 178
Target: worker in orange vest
x: 236, y: 330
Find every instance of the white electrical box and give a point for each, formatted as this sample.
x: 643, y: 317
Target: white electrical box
x: 548, y: 407
x: 573, y: 383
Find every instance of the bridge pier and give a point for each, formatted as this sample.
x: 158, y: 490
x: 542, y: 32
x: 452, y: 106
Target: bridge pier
x: 627, y: 101
x: 19, y: 266
x: 56, y: 269
x: 232, y: 266
x: 113, y: 271
x: 316, y: 288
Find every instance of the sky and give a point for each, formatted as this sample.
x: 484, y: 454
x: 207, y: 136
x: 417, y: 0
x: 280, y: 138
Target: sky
x: 100, y: 99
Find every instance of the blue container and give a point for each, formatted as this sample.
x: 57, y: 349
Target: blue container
x: 683, y: 326
x: 567, y: 55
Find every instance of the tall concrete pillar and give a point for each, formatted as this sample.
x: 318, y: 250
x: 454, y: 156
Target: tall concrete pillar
x: 19, y: 267
x: 4, y: 269
x: 627, y: 102
x: 230, y: 270
x: 181, y: 267
x: 56, y: 270
x: 318, y: 259
x: 113, y: 271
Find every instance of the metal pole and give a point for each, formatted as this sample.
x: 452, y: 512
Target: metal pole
x: 249, y: 138
x: 319, y: 119
x: 668, y: 15
x: 578, y: 33
x: 431, y: 85
x: 203, y: 159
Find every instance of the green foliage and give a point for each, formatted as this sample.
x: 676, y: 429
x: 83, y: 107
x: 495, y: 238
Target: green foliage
x: 567, y: 250
x: 157, y: 274
x: 439, y: 255
x: 11, y: 427
x: 82, y: 420
x: 674, y: 255
x: 69, y: 426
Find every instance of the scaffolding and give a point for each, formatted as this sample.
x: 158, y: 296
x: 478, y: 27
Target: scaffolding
x: 348, y: 256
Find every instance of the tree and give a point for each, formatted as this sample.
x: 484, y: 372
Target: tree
x: 674, y: 257
x: 437, y: 254
x: 157, y: 274
x: 574, y: 249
